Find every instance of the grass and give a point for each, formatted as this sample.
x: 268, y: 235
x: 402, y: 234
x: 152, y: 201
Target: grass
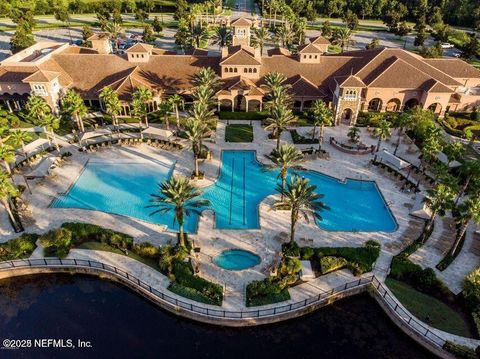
x: 429, y: 309
x: 99, y: 246
x: 239, y: 133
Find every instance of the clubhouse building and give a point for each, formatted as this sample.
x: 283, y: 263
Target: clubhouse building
x: 382, y: 79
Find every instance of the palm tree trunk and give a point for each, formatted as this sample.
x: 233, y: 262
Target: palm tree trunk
x: 146, y: 119
x: 181, y: 235
x: 278, y: 139
x: 460, y: 236
x: 7, y: 167
x: 167, y: 122
x: 320, y: 137
x: 55, y: 142
x: 431, y: 221
x: 195, y: 158
x: 293, y: 223
x: 9, y: 211
x: 378, y: 144
x: 177, y: 115
x: 284, y: 181
x: 313, y: 132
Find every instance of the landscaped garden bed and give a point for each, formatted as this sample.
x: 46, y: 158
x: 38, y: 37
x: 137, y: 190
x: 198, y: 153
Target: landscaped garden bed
x: 249, y: 116
x: 18, y: 248
x: 239, y: 133
x: 302, y: 140
x: 463, y: 125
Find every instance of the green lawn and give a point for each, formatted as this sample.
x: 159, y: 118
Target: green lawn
x: 239, y: 133
x: 429, y: 309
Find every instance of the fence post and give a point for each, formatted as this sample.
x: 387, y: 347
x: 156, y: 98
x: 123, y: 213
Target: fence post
x: 345, y: 286
x: 359, y: 281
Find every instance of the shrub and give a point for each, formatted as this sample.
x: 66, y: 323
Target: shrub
x: 249, y: 116
x: 20, y: 247
x: 291, y: 249
x: 146, y: 250
x: 307, y: 253
x: 267, y: 291
x: 460, y: 351
x: 57, y: 242
x: 86, y: 232
x: 299, y: 139
x: 471, y: 288
x: 329, y: 264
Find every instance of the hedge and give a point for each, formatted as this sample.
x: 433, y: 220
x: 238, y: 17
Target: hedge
x: 249, y: 116
x: 302, y: 140
x: 329, y: 264
x: 267, y: 291
x: 460, y: 351
x: 20, y: 247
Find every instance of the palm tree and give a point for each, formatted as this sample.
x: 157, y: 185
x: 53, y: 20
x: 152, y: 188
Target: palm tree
x: 195, y: 131
x: 383, y: 131
x: 19, y: 137
x: 469, y: 210
x: 223, y: 36
x: 300, y: 196
x: 438, y: 199
x: 286, y: 157
x: 260, y: 37
x: 280, y: 118
x: 177, y: 194
x: 404, y: 121
x: 322, y: 116
x: 206, y: 77
x: 112, y: 103
x: 7, y: 155
x: 40, y: 114
x: 73, y: 105
x: 51, y: 123
x: 284, y: 35
x: 164, y: 109
x: 354, y: 134
x: 141, y: 97
x: 203, y: 95
x: 274, y: 80
x: 470, y: 170
x: 299, y: 28
x: 342, y: 37
x: 197, y: 35
x: 176, y: 100
x: 279, y: 97
x: 7, y: 191
x: 114, y: 31
x: 454, y: 151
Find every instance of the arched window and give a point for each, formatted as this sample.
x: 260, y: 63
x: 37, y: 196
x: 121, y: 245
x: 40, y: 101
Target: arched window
x: 254, y: 70
x: 350, y: 95
x: 245, y: 70
x: 375, y: 105
x: 226, y: 69
x: 249, y: 70
x: 235, y: 69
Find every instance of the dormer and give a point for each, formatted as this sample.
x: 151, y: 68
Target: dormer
x: 349, y: 88
x: 240, y: 61
x: 320, y: 43
x: 309, y: 54
x: 139, y: 52
x: 241, y: 31
x: 101, y: 43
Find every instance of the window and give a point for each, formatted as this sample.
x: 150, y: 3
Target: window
x: 39, y: 90
x: 315, y: 56
x: 255, y: 70
x: 309, y: 56
x: 226, y: 69
x: 235, y: 70
x: 350, y: 95
x: 245, y: 70
x: 250, y: 71
x: 304, y: 56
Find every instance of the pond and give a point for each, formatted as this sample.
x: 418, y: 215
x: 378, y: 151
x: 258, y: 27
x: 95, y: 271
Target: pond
x: 120, y: 324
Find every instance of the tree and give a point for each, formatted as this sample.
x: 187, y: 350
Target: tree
x: 176, y: 100
x: 207, y: 77
x: 402, y: 29
x: 7, y: 156
x: 327, y: 31
x: 148, y: 35
x: 157, y: 25
x: 21, y: 39
x: 354, y: 134
x: 373, y: 44
x: 61, y: 14
x: 472, y: 48
x: 197, y: 35
x: 112, y: 104
x: 87, y: 32
x: 274, y: 80
x: 141, y: 98
x: 300, y: 196
x: 351, y: 20
x: 470, y: 171
x: 196, y: 130
x: 382, y: 131
x: 342, y: 38
x: 114, y: 31
x: 141, y: 15
x: 164, y: 109
x: 260, y: 37
x: 223, y: 36
x: 39, y: 113
x: 403, y: 121
x: 179, y: 196
x: 454, y: 151
x: 420, y: 38
x: 19, y: 137
x: 7, y: 191
x: 299, y: 29
x: 322, y: 116
x: 439, y: 199
x: 284, y: 35
x: 181, y: 9
x: 279, y: 120
x: 203, y: 95
x: 74, y: 106
x: 287, y: 156
x: 130, y: 6
x: 468, y: 210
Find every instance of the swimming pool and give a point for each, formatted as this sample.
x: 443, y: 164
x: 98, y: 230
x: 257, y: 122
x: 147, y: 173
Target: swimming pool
x: 125, y: 188
x: 236, y: 259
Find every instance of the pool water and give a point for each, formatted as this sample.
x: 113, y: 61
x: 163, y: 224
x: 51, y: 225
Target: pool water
x: 125, y: 188
x: 236, y: 259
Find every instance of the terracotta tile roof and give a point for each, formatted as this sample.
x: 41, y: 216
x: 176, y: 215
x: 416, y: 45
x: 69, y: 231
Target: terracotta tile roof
x: 196, y: 52
x: 309, y: 49
x: 42, y: 76
x: 241, y: 57
x: 319, y: 40
x: 157, y: 51
x: 99, y: 36
x: 79, y: 50
x: 240, y: 83
x: 139, y: 47
x: 400, y: 74
x: 349, y: 81
x: 134, y: 78
x: 301, y: 87
x: 278, y: 51
x: 455, y: 68
x: 15, y: 74
x: 436, y: 87
x: 52, y: 65
x: 241, y: 21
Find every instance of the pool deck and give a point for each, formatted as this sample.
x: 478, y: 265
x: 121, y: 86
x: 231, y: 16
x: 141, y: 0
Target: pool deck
x: 213, y: 241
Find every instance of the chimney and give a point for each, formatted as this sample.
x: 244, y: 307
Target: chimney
x: 224, y: 52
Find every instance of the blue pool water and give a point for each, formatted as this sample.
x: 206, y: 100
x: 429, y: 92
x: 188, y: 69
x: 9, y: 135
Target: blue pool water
x: 236, y: 259
x: 125, y: 188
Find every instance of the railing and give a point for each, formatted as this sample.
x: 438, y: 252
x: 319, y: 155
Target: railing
x: 363, y: 283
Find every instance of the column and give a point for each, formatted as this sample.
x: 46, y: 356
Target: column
x: 233, y: 104
x: 246, y: 105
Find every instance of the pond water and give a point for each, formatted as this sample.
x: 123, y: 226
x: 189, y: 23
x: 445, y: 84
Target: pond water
x: 121, y: 324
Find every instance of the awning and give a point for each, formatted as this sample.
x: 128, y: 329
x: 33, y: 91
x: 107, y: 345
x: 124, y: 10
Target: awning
x: 442, y: 157
x: 43, y: 168
x: 393, y: 160
x: 154, y: 132
x: 420, y: 208
x: 96, y: 133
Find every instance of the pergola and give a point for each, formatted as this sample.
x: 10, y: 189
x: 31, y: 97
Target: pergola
x: 154, y: 132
